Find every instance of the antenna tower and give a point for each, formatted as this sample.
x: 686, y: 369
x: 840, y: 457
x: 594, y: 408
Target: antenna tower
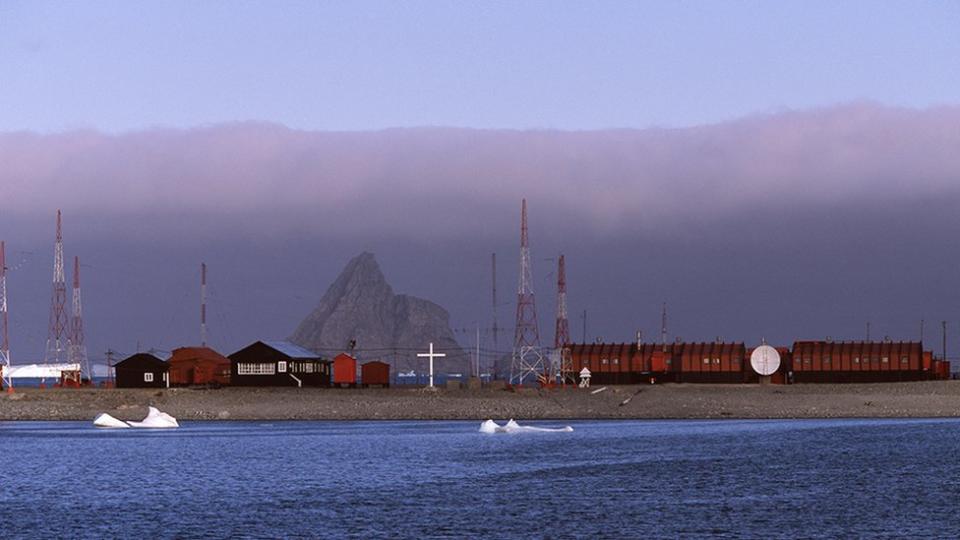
x: 562, y: 339
x: 203, y: 304
x: 663, y: 327
x: 527, y: 361
x: 4, y: 336
x: 57, y: 338
x: 78, y: 349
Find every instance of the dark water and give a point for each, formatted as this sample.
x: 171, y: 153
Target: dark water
x: 662, y: 479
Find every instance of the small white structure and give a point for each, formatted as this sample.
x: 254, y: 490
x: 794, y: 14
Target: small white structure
x: 584, y: 378
x: 40, y: 371
x: 765, y: 360
x: 431, y: 355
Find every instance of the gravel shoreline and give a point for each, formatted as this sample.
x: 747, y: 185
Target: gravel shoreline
x: 668, y: 401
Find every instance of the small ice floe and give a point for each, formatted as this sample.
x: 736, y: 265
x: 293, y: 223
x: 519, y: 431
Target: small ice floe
x: 154, y: 419
x: 104, y: 420
x: 489, y: 426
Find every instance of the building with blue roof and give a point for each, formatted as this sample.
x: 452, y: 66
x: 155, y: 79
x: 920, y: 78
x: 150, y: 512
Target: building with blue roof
x: 278, y: 363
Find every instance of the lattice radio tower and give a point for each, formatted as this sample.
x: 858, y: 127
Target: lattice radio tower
x: 57, y: 338
x: 203, y: 304
x: 78, y: 349
x: 527, y: 362
x: 4, y: 335
x: 562, y: 339
x: 493, y: 281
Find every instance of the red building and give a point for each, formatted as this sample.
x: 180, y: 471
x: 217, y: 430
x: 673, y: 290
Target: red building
x: 344, y: 370
x: 375, y: 373
x: 859, y: 361
x: 198, y: 365
x: 628, y: 363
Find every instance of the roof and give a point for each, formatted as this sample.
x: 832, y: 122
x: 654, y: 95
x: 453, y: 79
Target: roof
x: 189, y: 354
x: 289, y: 349
x: 141, y: 358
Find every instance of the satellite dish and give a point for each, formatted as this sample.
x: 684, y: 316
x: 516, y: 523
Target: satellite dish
x: 765, y: 360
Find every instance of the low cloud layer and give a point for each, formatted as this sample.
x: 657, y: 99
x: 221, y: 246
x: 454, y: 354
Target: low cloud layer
x: 435, y: 182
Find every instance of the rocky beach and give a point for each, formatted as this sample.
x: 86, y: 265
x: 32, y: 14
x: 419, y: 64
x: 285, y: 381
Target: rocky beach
x: 668, y: 401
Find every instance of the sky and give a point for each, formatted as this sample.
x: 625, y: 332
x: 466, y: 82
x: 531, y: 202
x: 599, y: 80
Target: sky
x: 772, y: 171
x: 123, y: 66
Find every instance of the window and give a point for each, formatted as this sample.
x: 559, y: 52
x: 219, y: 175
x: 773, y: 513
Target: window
x: 616, y: 361
x: 706, y: 360
x: 255, y: 369
x: 885, y: 360
x: 282, y: 366
x: 148, y: 377
x: 308, y: 367
x: 604, y: 361
x: 856, y: 359
x: 716, y: 360
x: 905, y: 360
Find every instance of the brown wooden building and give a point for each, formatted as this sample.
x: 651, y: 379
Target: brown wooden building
x: 142, y: 370
x: 278, y: 363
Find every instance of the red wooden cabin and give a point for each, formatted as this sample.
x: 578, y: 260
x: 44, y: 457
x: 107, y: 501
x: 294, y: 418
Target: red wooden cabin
x: 344, y: 370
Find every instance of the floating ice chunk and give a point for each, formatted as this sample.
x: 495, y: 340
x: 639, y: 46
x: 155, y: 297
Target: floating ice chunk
x: 104, y: 420
x: 156, y: 419
x: 489, y: 426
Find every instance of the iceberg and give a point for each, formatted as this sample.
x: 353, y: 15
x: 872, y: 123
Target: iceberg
x: 104, y: 420
x: 489, y: 426
x: 156, y: 419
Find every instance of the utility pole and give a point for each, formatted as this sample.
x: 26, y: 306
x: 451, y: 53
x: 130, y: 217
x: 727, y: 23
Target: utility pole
x: 944, y: 324
x: 111, y: 381
x: 493, y: 280
x: 584, y: 317
x: 663, y: 327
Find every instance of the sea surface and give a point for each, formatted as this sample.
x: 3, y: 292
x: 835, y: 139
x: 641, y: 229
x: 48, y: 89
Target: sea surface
x: 606, y: 479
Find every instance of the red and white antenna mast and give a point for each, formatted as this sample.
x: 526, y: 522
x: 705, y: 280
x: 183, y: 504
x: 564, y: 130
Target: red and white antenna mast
x: 527, y: 362
x: 203, y: 304
x: 57, y: 338
x: 562, y: 339
x: 78, y: 349
x: 4, y: 335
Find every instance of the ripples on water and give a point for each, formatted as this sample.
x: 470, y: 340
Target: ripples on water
x: 660, y: 479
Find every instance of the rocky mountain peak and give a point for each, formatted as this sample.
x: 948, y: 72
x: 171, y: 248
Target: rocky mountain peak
x: 361, y: 306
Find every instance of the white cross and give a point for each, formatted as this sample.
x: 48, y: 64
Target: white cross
x: 431, y: 355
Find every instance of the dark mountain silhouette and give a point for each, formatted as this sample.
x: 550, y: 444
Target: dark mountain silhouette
x: 360, y: 307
